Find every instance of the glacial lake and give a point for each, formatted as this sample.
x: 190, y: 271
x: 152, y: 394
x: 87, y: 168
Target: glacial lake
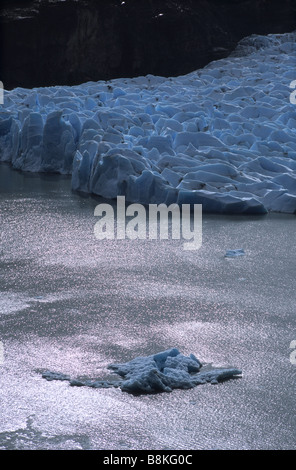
x: 71, y: 303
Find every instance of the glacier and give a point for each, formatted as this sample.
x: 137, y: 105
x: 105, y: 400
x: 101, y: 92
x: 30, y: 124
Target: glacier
x: 161, y: 372
x: 223, y: 136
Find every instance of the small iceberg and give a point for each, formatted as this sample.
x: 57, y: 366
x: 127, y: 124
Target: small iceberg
x: 161, y: 372
x: 55, y: 376
x: 234, y: 253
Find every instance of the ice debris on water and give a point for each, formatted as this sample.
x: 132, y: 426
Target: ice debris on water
x: 161, y: 372
x: 234, y: 253
x: 55, y: 376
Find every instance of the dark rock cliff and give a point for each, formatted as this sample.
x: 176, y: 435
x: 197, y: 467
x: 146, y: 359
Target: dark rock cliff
x: 68, y: 42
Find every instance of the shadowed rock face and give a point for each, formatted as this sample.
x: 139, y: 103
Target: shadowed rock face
x: 70, y: 42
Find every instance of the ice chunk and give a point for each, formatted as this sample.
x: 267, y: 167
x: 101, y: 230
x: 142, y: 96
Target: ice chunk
x: 234, y: 253
x: 55, y: 376
x: 198, y: 139
x: 215, y: 375
x: 161, y: 372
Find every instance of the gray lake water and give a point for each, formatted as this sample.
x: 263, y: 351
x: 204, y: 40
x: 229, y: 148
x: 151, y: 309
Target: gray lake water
x: 70, y: 303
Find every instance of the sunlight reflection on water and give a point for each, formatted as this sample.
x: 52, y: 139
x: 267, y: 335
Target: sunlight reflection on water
x: 74, y: 304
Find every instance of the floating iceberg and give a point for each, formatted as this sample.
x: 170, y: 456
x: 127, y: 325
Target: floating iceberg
x: 234, y: 253
x: 55, y: 376
x: 161, y: 372
x: 223, y: 136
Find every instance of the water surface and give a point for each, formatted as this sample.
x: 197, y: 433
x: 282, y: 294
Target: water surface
x: 74, y: 304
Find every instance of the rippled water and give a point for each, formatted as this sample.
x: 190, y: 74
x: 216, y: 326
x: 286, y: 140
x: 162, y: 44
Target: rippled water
x: 74, y: 304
